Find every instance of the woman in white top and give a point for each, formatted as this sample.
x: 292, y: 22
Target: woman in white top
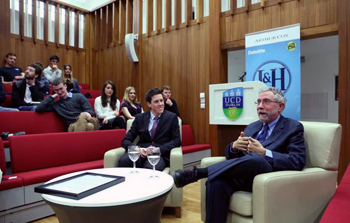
x: 107, y: 108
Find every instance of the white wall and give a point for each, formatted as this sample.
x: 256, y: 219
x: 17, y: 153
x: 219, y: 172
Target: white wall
x: 317, y: 77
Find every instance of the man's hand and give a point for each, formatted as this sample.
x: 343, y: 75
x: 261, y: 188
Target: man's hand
x: 116, y: 113
x: 54, y: 67
x: 143, y: 152
x: 105, y: 121
x: 256, y: 147
x: 88, y: 115
x: 169, y: 102
x: 54, y: 96
x: 241, y: 143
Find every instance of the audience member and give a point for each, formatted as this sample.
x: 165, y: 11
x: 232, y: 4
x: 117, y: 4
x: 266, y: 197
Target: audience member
x: 170, y: 104
x: 157, y: 127
x: 9, y: 72
x: 131, y: 106
x: 27, y: 93
x: 69, y: 80
x: 3, y: 98
x: 52, y: 72
x: 74, y: 108
x: 273, y: 143
x: 107, y: 108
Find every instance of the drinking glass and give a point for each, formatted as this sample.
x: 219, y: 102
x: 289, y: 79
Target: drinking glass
x: 153, y: 156
x: 134, y: 152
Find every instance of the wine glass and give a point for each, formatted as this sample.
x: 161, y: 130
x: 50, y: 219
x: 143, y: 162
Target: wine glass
x: 134, y: 152
x: 153, y: 156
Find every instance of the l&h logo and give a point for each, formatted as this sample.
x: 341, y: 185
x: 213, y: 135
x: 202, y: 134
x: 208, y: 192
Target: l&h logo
x: 274, y: 73
x: 232, y: 101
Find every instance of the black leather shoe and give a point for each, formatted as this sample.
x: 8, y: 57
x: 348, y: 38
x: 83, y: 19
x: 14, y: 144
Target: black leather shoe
x: 184, y: 177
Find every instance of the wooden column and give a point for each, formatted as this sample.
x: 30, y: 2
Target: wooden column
x: 344, y: 83
x: 217, y: 67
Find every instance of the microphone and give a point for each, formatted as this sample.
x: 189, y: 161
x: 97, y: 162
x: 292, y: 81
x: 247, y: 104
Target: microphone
x: 241, y: 77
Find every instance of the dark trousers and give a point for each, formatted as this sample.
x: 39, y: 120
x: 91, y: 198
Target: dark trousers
x: 227, y: 177
x: 140, y: 163
x: 114, y: 123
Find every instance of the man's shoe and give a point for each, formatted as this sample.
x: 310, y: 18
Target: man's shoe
x: 184, y: 177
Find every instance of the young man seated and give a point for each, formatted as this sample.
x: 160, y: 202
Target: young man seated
x: 27, y: 93
x: 157, y: 127
x: 74, y: 108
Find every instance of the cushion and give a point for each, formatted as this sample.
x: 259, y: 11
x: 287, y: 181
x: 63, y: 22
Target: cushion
x: 93, y: 93
x: 11, y: 183
x: 195, y: 148
x: 2, y: 158
x: 85, y: 86
x: 187, y: 136
x: 43, y: 175
x: 41, y: 151
x: 241, y: 202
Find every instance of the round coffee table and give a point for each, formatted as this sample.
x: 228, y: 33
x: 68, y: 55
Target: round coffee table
x: 138, y: 199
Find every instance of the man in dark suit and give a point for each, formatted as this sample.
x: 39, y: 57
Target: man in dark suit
x: 273, y: 143
x: 157, y: 127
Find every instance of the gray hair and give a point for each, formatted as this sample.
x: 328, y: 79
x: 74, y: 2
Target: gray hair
x: 279, y: 96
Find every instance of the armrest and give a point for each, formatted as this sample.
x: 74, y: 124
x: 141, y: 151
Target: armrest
x: 111, y: 157
x: 176, y: 159
x: 299, y: 196
x: 208, y: 161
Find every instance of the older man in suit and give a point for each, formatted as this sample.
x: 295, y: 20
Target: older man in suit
x: 273, y: 143
x: 157, y: 127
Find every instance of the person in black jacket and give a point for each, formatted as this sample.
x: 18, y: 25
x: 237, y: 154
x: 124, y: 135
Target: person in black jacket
x: 27, y: 93
x: 170, y: 104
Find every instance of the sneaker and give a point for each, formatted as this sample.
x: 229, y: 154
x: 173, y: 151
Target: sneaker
x: 184, y: 177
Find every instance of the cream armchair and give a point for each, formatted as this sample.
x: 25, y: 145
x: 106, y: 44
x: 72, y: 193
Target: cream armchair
x: 174, y: 199
x: 290, y: 196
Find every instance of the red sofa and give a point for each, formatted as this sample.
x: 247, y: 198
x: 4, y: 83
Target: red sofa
x: 338, y: 208
x: 37, y: 158
x: 93, y: 93
x: 193, y: 153
x: 30, y: 122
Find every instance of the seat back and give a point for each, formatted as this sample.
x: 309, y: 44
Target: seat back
x: 2, y: 158
x: 130, y: 121
x: 187, y: 140
x: 322, y: 141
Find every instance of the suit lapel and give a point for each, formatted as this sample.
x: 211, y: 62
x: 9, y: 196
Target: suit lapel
x: 277, y: 131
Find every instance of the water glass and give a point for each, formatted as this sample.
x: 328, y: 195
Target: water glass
x: 134, y: 152
x: 153, y: 156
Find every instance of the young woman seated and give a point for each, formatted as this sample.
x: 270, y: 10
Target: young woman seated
x: 131, y: 106
x: 107, y: 108
x: 69, y: 80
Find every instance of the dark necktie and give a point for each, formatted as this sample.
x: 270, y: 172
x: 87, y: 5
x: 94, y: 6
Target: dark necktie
x: 154, y: 127
x: 261, y: 138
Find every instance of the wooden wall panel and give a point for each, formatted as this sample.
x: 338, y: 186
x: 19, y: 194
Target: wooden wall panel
x: 316, y: 18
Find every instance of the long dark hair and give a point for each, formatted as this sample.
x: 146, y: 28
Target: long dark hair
x: 113, y: 101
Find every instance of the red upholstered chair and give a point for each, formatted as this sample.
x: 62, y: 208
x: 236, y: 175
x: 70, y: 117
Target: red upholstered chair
x: 85, y: 86
x: 8, y: 88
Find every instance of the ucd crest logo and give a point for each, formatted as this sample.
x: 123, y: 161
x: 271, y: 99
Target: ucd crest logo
x: 274, y: 73
x: 232, y: 101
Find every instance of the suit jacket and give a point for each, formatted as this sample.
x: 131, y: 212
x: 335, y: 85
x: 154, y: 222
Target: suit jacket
x: 167, y: 135
x: 286, y: 143
x: 19, y: 91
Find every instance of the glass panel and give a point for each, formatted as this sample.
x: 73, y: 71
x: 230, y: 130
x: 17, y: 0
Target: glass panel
x: 206, y: 8
x: 71, y: 28
x: 172, y: 12
x: 28, y: 8
x: 62, y: 39
x: 14, y: 19
x: 225, y: 5
x: 194, y: 9
x: 163, y: 14
x: 81, y: 31
x: 144, y: 16
x: 52, y: 19
x: 183, y: 11
x: 40, y: 16
x: 240, y: 3
x: 154, y: 14
x: 255, y: 1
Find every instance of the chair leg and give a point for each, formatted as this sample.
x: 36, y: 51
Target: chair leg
x: 178, y: 212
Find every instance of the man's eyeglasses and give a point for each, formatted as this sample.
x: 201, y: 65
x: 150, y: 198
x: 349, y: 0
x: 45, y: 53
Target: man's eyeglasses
x: 265, y: 101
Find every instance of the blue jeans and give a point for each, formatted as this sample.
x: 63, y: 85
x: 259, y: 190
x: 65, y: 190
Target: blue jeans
x: 27, y: 108
x: 8, y: 109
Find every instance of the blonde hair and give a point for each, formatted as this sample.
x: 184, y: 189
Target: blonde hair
x: 63, y: 76
x: 126, y: 95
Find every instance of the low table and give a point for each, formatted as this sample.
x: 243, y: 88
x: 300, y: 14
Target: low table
x: 138, y: 199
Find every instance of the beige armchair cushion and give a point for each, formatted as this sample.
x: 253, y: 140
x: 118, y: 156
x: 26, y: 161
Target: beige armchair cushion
x: 290, y: 196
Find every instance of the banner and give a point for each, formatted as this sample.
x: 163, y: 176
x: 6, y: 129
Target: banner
x: 273, y: 57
